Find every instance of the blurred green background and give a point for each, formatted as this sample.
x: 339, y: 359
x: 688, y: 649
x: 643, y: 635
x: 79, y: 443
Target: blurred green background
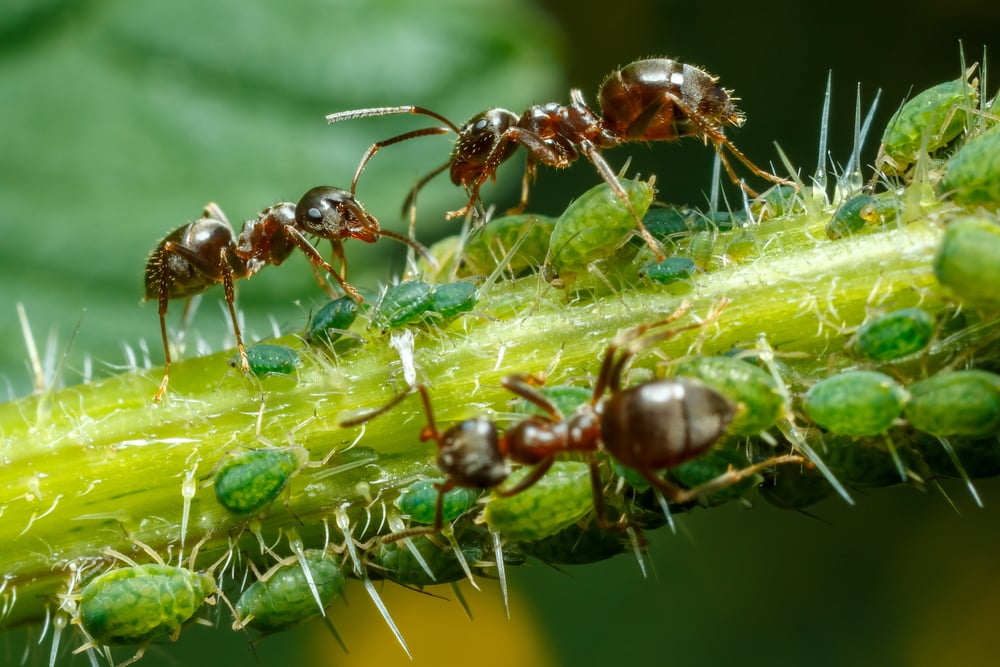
x: 120, y: 120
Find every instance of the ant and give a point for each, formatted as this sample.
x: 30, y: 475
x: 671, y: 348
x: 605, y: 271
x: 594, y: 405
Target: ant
x: 203, y: 253
x: 647, y: 100
x: 650, y: 427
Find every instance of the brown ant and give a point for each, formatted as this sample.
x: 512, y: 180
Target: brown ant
x: 650, y: 427
x: 647, y: 100
x: 203, y: 253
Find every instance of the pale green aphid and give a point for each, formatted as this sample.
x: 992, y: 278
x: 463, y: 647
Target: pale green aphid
x: 968, y: 260
x: 956, y: 403
x: 132, y: 605
x: 266, y: 359
x: 419, y: 500
x: 490, y: 243
x: 249, y: 481
x: 283, y: 597
x: 559, y: 499
x: 972, y: 176
x: 894, y: 335
x: 754, y: 391
x: 405, y: 302
x: 929, y: 121
x: 451, y: 299
x: 855, y: 403
x: 596, y: 224
x: 669, y: 270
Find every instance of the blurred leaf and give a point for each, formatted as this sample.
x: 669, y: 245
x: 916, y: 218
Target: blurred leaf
x: 121, y: 121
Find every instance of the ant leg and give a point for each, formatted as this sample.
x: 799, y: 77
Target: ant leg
x: 524, y: 385
x: 372, y: 414
x: 313, y: 256
x: 604, y: 169
x: 411, y: 196
x: 529, y: 480
x: 164, y: 299
x: 731, y: 477
x: 530, y: 172
x: 227, y: 282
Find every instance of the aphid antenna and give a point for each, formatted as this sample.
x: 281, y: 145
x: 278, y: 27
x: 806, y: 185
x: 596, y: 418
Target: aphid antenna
x: 819, y: 178
x: 344, y: 524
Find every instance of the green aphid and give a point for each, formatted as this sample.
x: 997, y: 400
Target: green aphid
x: 596, y: 224
x: 667, y: 223
x: 132, y: 605
x: 419, y: 501
x: 861, y: 211
x: 710, y: 465
x: 668, y: 271
x: 777, y: 201
x: 754, y: 391
x: 266, y: 359
x: 894, y: 335
x: 284, y: 597
x: 795, y: 488
x: 559, y: 499
x: 565, y: 398
x: 968, y: 260
x: 330, y: 322
x: 489, y: 244
x: 453, y: 298
x: 405, y: 302
x: 861, y: 463
x: 855, y: 403
x: 701, y: 248
x: 956, y: 403
x: 740, y: 245
x: 979, y: 456
x: 250, y: 481
x: 397, y: 563
x: 577, y: 546
x: 929, y: 121
x: 972, y: 176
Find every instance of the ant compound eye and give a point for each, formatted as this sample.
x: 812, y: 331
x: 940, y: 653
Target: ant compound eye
x: 314, y: 214
x: 480, y: 125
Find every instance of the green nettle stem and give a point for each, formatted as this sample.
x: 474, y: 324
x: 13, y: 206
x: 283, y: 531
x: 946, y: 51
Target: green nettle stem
x: 100, y: 465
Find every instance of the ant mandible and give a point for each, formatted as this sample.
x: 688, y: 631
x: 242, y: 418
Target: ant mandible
x: 203, y: 253
x: 650, y: 427
x: 648, y: 100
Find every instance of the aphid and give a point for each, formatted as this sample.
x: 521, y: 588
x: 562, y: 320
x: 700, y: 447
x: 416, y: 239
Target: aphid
x: 979, y: 456
x: 647, y: 100
x: 863, y: 210
x: 956, y: 403
x: 283, y: 597
x: 450, y: 299
x: 972, y: 176
x: 968, y: 260
x: 860, y: 462
x: 794, y: 489
x: 329, y: 322
x: 894, y: 335
x: 249, y: 481
x: 560, y: 498
x: 138, y: 603
x: 776, y: 202
x: 265, y: 359
x: 397, y: 563
x: 855, y: 403
x: 575, y: 545
x: 927, y: 123
x: 596, y: 224
x: 205, y: 252
x: 405, y: 302
x: 418, y: 501
x: 760, y: 402
x: 709, y: 466
x: 649, y: 427
x: 489, y: 244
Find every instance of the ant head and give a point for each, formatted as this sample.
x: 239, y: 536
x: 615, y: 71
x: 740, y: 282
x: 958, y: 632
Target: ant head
x: 332, y: 213
x: 469, y: 454
x: 477, y: 140
x: 263, y: 241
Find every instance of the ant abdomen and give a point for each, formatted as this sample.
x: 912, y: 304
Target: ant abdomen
x: 663, y: 423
